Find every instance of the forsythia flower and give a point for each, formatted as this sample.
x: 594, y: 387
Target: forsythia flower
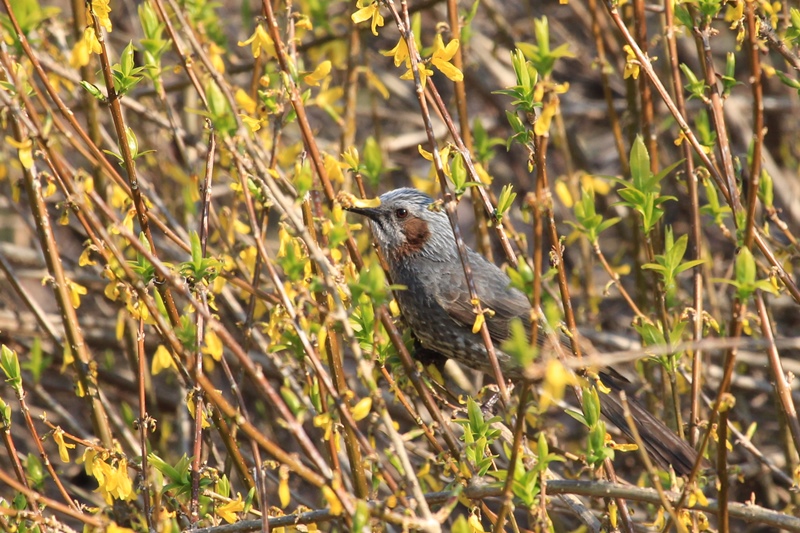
x: 631, y: 64
x: 75, y: 292
x: 162, y: 360
x: 369, y: 9
x: 442, y: 55
x: 213, y: 345
x: 253, y: 124
x: 84, y: 48
x: 244, y: 101
x: 113, y: 483
x: 399, y: 53
x: 228, y: 510
x: 260, y: 41
x: 215, y: 55
x: 334, y: 504
x: 542, y: 125
x: 63, y: 447
x: 24, y: 150
x: 101, y: 10
x: 319, y: 74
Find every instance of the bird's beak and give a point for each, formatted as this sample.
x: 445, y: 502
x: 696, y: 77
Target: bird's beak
x: 367, y: 208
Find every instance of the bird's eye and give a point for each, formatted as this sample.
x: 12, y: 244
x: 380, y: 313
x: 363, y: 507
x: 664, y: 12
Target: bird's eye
x: 401, y: 213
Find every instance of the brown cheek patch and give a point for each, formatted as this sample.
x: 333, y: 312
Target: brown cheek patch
x: 417, y: 234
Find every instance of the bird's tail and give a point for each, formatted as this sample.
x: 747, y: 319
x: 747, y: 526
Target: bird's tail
x: 663, y: 446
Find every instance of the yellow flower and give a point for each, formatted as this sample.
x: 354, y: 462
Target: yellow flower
x: 475, y: 525
x: 444, y: 155
x: 303, y: 22
x: 334, y: 505
x: 86, y: 257
x: 84, y: 48
x: 594, y: 183
x: 324, y: 421
x: 204, y: 423
x: 556, y: 379
x: 248, y: 255
x: 376, y: 83
x: 253, y: 124
x: 126, y: 223
x: 334, y: 169
x: 68, y: 358
x: 24, y: 150
x: 322, y: 70
x: 215, y: 55
x: 119, y: 198
x: 362, y: 408
x: 244, y: 101
x: 369, y: 9
x: 113, y: 483
x: 478, y: 324
x: 771, y: 10
x: 75, y: 292
x: 542, y: 126
x: 399, y: 52
x: 162, y: 360
x: 228, y: 510
x: 631, y: 64
x: 424, y: 72
x: 101, y: 10
x: 260, y: 41
x: 63, y: 447
x: 284, y: 494
x: 124, y: 484
x: 442, y: 56
x: 562, y: 191
x: 213, y: 345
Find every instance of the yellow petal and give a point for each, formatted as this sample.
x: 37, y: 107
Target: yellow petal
x: 362, y: 409
x: 449, y: 50
x: 449, y: 70
x: 213, y: 345
x: 334, y: 505
x: 244, y: 101
x: 363, y: 14
x: 322, y: 70
x: 24, y: 150
x: 348, y: 200
x: 63, y: 447
x: 399, y: 52
x: 162, y: 360
x: 479, y: 320
x: 284, y: 494
x: 562, y: 191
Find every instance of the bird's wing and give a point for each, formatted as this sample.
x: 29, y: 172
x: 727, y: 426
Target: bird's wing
x: 492, y: 286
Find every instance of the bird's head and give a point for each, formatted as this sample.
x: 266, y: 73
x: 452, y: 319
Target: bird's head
x: 406, y: 223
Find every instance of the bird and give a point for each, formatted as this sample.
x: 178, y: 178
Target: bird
x: 416, y: 239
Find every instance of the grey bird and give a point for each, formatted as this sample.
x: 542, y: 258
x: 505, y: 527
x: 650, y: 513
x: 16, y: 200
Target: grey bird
x: 418, y: 243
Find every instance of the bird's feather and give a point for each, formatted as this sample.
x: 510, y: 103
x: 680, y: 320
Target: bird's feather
x: 494, y: 293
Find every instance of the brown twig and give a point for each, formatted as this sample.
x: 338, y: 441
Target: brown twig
x: 123, y: 142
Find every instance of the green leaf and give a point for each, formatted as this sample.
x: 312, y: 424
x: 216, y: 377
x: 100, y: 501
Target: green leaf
x: 639, y: 163
x: 745, y: 267
x: 9, y: 363
x: 94, y: 90
x: 765, y: 192
x: 372, y: 161
x: 518, y: 346
x: 505, y: 201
